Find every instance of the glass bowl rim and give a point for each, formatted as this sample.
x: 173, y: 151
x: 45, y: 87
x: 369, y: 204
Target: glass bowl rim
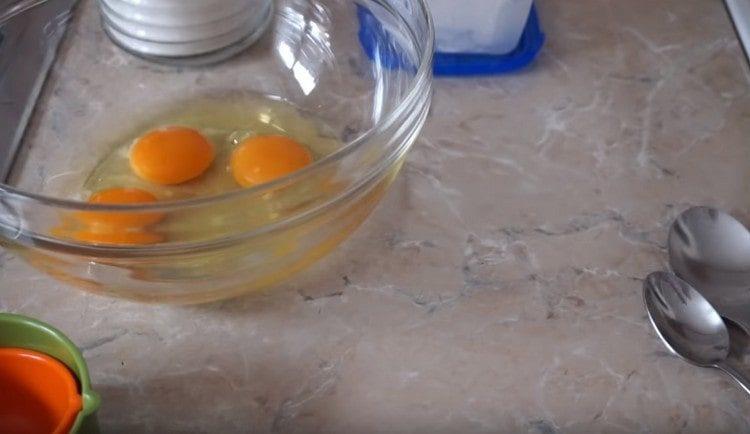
x: 417, y: 85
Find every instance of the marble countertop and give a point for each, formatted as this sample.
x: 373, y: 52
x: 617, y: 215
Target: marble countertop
x: 497, y: 288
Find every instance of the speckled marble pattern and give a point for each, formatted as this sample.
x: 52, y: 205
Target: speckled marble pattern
x: 498, y: 286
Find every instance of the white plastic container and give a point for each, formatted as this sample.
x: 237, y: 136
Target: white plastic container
x: 479, y: 26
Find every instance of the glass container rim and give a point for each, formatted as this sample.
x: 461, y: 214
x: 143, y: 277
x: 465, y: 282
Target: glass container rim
x: 419, y: 84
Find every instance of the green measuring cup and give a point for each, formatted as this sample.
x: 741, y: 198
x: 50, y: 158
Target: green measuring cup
x: 18, y: 331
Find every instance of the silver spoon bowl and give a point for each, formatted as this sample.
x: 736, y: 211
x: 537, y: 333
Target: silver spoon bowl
x: 688, y: 324
x: 710, y: 250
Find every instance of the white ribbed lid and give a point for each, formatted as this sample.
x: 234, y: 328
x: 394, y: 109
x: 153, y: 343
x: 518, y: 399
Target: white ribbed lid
x: 176, y: 28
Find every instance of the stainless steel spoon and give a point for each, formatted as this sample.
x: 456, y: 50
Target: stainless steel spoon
x: 687, y: 323
x: 710, y: 250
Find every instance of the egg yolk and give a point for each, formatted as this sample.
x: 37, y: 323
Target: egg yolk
x: 171, y: 155
x: 118, y: 237
x: 264, y: 158
x: 98, y: 234
x: 121, y: 220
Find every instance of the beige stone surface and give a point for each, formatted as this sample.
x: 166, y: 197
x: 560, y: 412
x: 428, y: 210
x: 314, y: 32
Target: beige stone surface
x: 497, y: 288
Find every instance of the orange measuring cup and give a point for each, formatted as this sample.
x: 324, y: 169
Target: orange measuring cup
x: 39, y: 393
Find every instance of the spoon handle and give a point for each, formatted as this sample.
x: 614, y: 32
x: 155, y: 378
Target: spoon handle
x: 738, y: 376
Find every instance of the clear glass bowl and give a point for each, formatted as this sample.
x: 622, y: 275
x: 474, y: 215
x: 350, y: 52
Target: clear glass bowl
x: 363, y: 67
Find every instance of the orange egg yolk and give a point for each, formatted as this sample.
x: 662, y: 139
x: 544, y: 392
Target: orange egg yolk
x: 264, y: 158
x: 118, y: 237
x: 113, y: 227
x: 171, y: 155
x: 98, y: 234
x: 121, y: 220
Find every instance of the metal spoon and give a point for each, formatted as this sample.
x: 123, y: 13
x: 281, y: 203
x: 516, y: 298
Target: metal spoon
x: 687, y: 323
x: 710, y: 250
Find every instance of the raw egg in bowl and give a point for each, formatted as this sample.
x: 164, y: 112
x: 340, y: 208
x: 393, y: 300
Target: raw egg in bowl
x: 169, y: 183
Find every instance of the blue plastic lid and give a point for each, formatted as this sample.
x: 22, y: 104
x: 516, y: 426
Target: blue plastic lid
x: 528, y: 47
x: 380, y: 46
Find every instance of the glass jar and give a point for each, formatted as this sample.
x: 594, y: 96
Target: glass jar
x: 185, y: 31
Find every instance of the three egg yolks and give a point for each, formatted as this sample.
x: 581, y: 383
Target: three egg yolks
x: 173, y: 155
